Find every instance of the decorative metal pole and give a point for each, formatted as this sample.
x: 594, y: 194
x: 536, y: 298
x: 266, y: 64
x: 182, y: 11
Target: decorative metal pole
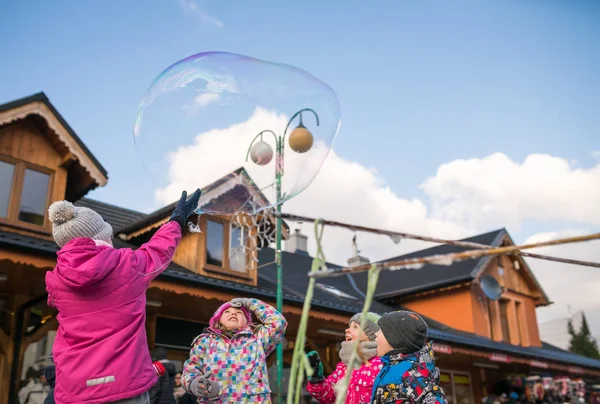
x: 301, y: 141
x: 278, y: 237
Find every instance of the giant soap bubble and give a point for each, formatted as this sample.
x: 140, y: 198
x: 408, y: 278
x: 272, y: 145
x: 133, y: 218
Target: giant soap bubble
x: 229, y: 124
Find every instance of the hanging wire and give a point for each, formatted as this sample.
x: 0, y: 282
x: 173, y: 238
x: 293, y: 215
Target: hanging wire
x: 449, y: 259
x: 300, y: 363
x: 397, y: 236
x: 341, y: 389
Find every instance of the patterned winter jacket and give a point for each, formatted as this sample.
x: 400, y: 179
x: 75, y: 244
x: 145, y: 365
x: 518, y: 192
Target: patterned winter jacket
x: 360, y: 387
x: 411, y: 378
x: 238, y: 363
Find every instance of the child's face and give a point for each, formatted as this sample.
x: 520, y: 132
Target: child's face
x: 383, y: 346
x: 354, y: 332
x: 233, y: 319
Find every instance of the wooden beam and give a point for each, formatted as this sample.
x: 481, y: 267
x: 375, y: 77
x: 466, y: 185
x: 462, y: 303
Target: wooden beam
x: 67, y: 160
x: 226, y: 296
x: 50, y: 325
x: 4, y: 339
x: 28, y: 259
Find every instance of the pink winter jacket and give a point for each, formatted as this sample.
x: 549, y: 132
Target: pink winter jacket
x: 360, y: 386
x: 101, y: 351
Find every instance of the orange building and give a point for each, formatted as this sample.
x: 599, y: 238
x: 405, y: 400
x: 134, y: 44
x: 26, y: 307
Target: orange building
x: 478, y: 341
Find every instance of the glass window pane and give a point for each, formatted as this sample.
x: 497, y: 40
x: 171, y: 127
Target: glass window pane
x: 446, y: 385
x: 6, y: 178
x: 504, y: 320
x: 34, y: 197
x: 214, y: 243
x: 237, y: 253
x: 462, y: 389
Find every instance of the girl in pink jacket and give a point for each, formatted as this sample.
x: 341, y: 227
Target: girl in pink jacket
x: 361, y: 381
x: 228, y: 363
x: 101, y: 351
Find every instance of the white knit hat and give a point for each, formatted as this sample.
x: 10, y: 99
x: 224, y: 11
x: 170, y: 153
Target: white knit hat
x: 70, y: 222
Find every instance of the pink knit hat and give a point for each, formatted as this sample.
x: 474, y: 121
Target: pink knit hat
x: 217, y: 316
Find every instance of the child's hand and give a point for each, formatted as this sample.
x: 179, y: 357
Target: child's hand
x: 185, y: 207
x: 202, y: 387
x: 317, y: 365
x: 241, y: 302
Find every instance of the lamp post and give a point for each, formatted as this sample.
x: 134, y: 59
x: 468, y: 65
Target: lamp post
x: 261, y: 153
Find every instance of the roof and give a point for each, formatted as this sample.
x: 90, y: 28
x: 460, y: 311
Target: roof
x: 41, y: 97
x: 117, y: 217
x: 232, y: 189
x: 405, y: 282
x: 295, y: 282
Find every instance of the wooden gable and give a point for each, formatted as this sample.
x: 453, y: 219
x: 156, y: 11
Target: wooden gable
x: 193, y: 253
x: 31, y: 127
x: 511, y: 318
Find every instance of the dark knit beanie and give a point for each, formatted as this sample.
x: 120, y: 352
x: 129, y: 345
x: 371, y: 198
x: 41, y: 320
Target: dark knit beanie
x: 404, y: 330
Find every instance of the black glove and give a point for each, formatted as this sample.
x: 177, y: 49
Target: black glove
x: 317, y: 366
x: 185, y: 207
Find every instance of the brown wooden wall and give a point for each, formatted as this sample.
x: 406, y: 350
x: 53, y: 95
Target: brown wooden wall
x: 23, y: 141
x: 191, y: 254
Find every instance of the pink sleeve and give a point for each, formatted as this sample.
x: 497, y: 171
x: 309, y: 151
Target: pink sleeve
x: 324, y: 392
x: 153, y: 257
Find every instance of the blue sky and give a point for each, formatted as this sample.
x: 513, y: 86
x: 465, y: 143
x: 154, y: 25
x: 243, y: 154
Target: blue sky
x: 420, y: 84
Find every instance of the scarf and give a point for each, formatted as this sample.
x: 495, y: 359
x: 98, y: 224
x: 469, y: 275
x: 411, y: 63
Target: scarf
x: 368, y: 349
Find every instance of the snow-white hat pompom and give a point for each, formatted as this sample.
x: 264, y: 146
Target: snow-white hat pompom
x: 61, y: 211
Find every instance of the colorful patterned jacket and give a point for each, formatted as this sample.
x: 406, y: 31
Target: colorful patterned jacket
x: 411, y: 378
x: 238, y: 363
x: 360, y: 387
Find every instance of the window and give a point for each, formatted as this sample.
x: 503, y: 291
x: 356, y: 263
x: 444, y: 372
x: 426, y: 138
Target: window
x: 176, y: 333
x: 457, y: 386
x: 24, y: 193
x: 504, y: 320
x: 490, y: 314
x: 518, y: 314
x: 34, y: 197
x: 214, y: 243
x: 7, y: 172
x: 226, y: 247
x: 237, y: 252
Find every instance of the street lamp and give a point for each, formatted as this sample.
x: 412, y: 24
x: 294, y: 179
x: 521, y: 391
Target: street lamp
x: 300, y: 140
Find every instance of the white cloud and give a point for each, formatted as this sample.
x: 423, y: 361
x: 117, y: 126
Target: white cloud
x: 343, y: 190
x: 497, y: 191
x: 192, y: 8
x: 467, y: 197
x: 201, y: 101
x: 567, y: 286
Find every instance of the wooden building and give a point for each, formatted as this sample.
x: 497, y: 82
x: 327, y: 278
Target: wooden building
x: 478, y: 341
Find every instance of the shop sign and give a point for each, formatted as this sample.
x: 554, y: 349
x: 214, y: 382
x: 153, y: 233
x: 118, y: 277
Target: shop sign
x: 445, y: 378
x: 498, y: 357
x: 576, y: 370
x: 441, y: 348
x: 462, y: 379
x: 538, y: 364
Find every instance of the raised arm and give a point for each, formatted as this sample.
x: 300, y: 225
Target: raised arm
x: 273, y: 324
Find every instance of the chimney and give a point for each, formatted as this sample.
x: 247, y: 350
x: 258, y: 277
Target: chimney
x: 297, y: 243
x: 357, y: 259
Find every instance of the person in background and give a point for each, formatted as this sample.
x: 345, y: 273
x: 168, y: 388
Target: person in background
x: 33, y: 391
x: 162, y: 391
x: 178, y: 390
x: 50, y: 375
x: 181, y: 396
